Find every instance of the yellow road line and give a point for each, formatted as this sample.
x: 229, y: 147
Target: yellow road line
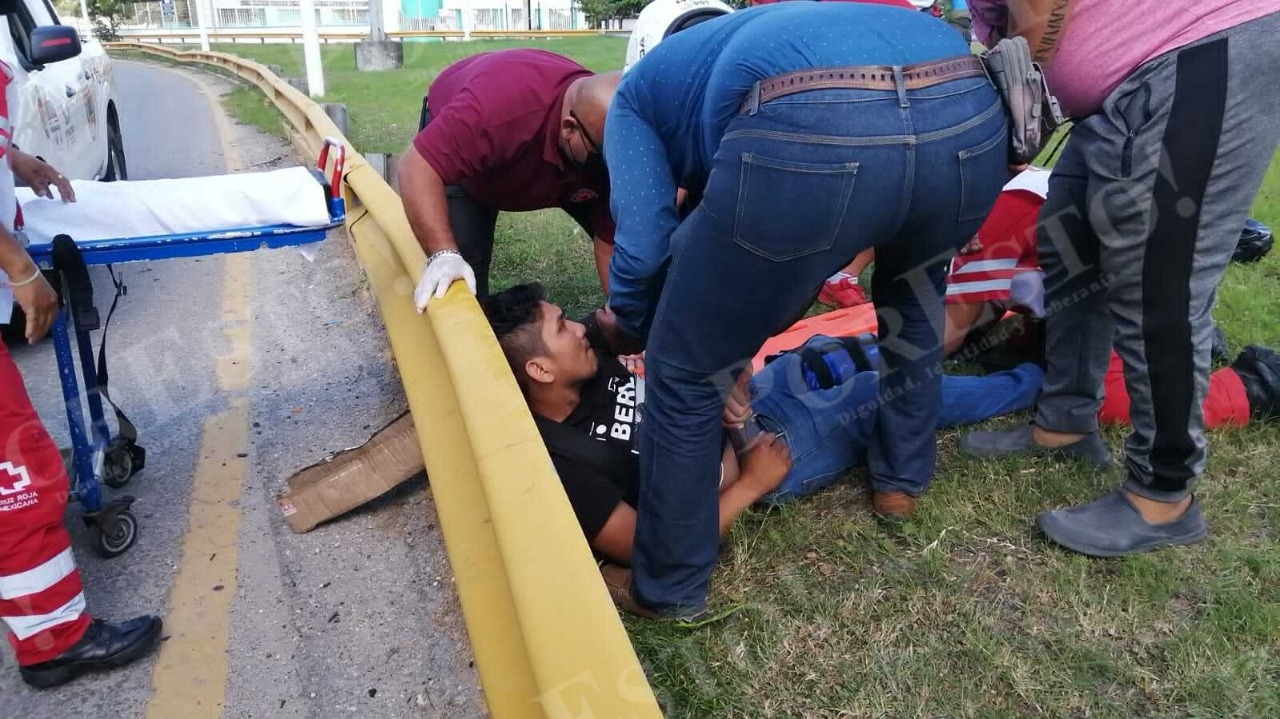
x: 190, y: 676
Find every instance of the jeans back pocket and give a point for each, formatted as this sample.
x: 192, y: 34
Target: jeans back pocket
x: 791, y: 209
x: 976, y: 167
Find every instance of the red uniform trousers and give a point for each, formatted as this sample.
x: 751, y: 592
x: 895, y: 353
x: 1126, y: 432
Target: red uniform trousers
x: 41, y: 599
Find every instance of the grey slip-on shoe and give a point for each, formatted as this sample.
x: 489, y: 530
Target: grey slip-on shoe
x: 1113, y: 527
x: 1018, y: 442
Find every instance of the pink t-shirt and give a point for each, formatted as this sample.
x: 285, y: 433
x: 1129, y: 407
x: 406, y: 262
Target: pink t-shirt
x: 1105, y: 40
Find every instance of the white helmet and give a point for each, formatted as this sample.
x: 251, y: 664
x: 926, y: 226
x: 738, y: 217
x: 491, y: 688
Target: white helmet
x: 661, y: 18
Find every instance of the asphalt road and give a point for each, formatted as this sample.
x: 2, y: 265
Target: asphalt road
x: 356, y: 618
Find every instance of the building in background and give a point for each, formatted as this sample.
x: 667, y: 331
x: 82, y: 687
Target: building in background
x: 285, y: 13
x: 353, y: 15
x: 491, y: 15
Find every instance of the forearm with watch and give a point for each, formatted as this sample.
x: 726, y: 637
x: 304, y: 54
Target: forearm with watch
x: 427, y: 209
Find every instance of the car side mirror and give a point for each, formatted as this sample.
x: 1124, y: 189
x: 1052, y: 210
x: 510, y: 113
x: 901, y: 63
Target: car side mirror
x: 54, y: 43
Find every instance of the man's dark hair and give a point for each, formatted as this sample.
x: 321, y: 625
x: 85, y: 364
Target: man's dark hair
x: 515, y: 314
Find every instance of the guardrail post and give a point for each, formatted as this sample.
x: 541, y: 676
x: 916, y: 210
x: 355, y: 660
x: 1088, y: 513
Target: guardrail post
x: 338, y: 113
x: 387, y: 166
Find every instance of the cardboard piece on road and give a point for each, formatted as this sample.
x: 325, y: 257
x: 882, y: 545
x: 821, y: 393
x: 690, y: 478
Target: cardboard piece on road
x: 352, y: 477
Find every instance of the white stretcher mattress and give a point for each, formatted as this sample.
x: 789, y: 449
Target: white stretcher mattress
x: 144, y: 208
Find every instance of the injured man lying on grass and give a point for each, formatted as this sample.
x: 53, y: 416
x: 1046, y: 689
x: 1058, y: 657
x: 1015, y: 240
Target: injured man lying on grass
x: 816, y: 406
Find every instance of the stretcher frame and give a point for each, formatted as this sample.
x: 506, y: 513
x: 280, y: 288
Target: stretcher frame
x: 96, y: 456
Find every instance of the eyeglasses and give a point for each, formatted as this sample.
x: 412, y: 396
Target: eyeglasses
x: 582, y: 128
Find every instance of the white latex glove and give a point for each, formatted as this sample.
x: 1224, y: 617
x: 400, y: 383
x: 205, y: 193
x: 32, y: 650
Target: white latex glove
x: 439, y: 273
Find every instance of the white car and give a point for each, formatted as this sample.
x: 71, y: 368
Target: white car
x: 68, y: 108
x: 67, y: 101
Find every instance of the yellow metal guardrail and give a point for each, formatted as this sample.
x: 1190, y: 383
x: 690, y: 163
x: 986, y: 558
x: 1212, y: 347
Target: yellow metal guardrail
x: 547, y: 639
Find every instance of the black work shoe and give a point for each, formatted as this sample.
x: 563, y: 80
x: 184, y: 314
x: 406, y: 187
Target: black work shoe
x: 1254, y: 243
x: 1113, y: 527
x: 105, y: 645
x: 1259, y: 370
x: 1018, y: 442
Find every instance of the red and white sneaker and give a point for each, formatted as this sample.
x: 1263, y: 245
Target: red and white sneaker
x: 842, y: 292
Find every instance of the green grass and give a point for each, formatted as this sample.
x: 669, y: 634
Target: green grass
x: 248, y: 105
x: 383, y: 107
x: 964, y: 610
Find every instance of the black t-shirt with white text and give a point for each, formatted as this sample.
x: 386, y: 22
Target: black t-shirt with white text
x: 609, y: 411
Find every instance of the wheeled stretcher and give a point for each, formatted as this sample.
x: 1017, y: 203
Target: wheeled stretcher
x: 115, y: 223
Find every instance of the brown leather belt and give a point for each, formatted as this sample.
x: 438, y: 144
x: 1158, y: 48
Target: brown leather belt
x: 865, y: 77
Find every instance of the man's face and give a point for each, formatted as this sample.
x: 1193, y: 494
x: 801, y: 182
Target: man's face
x: 580, y: 145
x: 568, y: 357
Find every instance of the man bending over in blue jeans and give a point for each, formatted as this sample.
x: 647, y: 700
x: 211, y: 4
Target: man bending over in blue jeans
x: 589, y: 408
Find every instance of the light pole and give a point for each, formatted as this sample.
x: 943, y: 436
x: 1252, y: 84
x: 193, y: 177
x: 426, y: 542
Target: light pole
x: 204, y: 30
x: 311, y: 49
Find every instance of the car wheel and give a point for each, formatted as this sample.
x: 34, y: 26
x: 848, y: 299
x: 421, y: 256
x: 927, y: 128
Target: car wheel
x: 116, y: 168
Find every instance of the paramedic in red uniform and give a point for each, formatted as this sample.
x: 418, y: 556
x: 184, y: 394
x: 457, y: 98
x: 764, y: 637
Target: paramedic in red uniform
x: 41, y: 600
x: 503, y: 131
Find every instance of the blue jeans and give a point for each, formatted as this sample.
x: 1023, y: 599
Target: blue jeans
x: 798, y: 187
x: 828, y: 430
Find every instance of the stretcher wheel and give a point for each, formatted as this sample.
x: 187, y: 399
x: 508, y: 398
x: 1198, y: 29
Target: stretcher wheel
x: 119, y: 466
x: 116, y: 539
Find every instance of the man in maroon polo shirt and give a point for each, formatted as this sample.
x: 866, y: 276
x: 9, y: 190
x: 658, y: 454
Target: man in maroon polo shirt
x: 504, y: 131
